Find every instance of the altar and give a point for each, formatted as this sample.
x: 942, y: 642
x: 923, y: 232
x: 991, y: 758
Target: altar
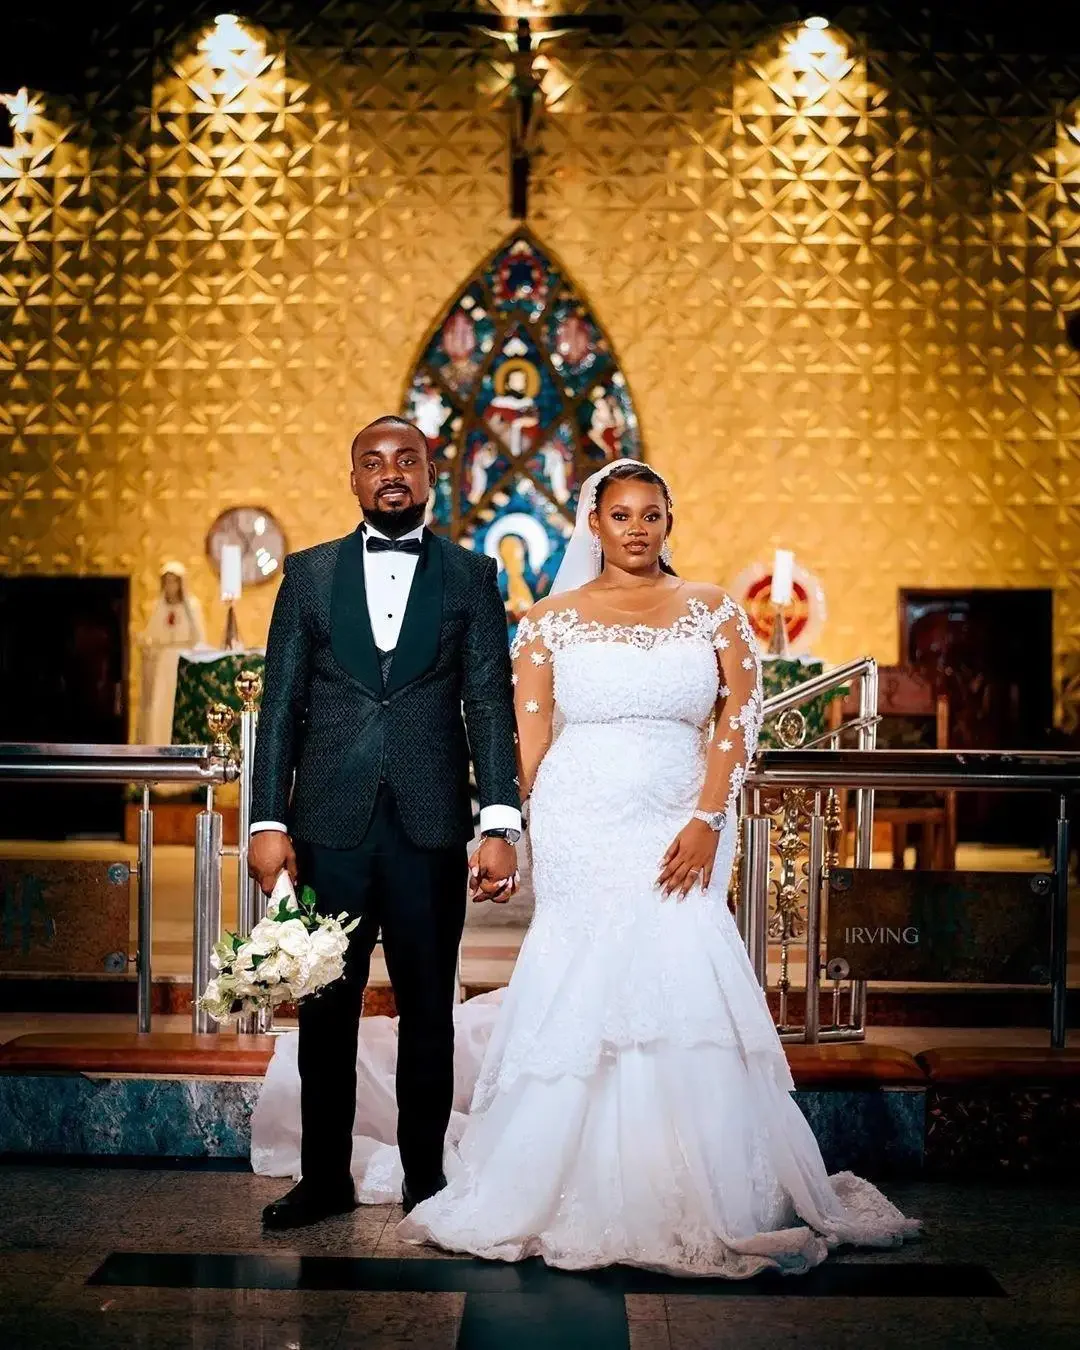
x: 205, y: 677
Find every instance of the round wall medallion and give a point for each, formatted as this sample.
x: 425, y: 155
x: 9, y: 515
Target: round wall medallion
x: 260, y: 537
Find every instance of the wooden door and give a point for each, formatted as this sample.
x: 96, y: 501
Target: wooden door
x: 991, y: 652
x: 63, y: 678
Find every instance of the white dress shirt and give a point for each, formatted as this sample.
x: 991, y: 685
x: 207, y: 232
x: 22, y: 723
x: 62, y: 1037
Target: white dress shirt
x: 388, y: 579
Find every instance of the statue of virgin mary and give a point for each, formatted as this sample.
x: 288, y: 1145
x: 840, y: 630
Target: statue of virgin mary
x: 176, y: 625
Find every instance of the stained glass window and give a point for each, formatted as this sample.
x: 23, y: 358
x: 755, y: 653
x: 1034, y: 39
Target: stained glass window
x: 520, y: 397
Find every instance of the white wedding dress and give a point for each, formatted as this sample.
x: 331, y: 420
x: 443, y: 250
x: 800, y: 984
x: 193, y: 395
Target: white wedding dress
x: 627, y: 1099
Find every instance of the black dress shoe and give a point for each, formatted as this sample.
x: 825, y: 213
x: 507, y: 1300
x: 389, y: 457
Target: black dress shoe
x: 306, y: 1204
x: 410, y: 1198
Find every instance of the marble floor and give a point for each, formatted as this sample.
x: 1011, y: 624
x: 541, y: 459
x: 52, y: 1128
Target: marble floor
x: 130, y: 1257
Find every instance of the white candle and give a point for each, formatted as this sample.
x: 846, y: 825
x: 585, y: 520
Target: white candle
x: 782, y: 577
x: 232, y: 564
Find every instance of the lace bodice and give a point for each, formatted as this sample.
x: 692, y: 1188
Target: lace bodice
x: 701, y: 669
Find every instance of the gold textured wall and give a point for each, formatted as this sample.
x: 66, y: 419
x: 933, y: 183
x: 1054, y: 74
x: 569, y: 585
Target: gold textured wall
x: 836, y: 292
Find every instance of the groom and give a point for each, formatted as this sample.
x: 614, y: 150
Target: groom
x: 387, y: 668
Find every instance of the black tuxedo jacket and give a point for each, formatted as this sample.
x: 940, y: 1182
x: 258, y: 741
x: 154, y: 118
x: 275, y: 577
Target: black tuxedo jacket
x: 327, y: 717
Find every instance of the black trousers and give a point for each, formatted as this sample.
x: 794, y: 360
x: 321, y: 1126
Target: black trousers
x: 416, y: 897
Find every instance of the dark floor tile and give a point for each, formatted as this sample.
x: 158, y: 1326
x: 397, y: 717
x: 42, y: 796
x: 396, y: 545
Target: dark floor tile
x: 29, y: 1277
x: 645, y: 1308
x: 586, y: 1318
x: 63, y: 1210
x: 429, y: 1320
x: 650, y: 1336
x: 297, y: 1270
x: 1036, y: 1333
x: 697, y: 1323
x: 198, y: 1212
x: 430, y: 1336
x: 123, y: 1163
x: 838, y: 1279
x: 106, y: 1331
x: 72, y: 1295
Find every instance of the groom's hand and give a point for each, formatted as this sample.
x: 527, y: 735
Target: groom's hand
x: 493, y: 871
x: 270, y: 852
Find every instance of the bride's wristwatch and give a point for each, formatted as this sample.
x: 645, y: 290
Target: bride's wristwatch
x: 714, y: 819
x: 511, y: 836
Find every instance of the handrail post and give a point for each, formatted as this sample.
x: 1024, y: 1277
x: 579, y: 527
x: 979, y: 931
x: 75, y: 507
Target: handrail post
x: 815, y: 872
x: 145, y: 936
x: 864, y: 812
x: 250, y: 904
x: 754, y: 910
x: 207, y: 926
x: 1059, y: 930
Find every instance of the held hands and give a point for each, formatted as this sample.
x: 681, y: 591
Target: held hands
x: 493, y: 873
x: 270, y: 852
x: 689, y: 860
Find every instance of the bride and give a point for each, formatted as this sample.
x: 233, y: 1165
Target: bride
x: 627, y: 1099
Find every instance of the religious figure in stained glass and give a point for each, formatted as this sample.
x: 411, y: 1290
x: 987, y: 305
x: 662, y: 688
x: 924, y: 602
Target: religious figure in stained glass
x: 519, y: 395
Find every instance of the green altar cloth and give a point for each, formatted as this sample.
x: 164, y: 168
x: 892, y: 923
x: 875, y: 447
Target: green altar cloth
x: 205, y: 678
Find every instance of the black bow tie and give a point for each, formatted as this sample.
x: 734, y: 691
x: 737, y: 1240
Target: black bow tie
x: 375, y: 544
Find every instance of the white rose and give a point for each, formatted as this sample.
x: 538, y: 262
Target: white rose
x: 245, y: 985
x: 217, y: 1002
x: 325, y: 972
x: 292, y: 970
x: 269, y: 971
x: 263, y: 937
x: 244, y: 958
x: 325, y: 943
x: 293, y: 937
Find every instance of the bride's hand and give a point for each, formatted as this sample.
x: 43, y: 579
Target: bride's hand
x: 689, y: 860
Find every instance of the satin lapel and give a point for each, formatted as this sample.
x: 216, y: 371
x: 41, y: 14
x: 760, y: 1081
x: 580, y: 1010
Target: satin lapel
x: 350, y: 625
x: 418, y: 644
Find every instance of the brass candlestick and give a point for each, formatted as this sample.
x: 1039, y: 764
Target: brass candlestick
x: 778, y: 643
x: 232, y: 631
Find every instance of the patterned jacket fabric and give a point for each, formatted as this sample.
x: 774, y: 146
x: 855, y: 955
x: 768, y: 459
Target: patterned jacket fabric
x: 330, y: 717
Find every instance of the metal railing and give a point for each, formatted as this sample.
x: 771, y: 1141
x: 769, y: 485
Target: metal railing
x: 782, y: 710
x: 809, y: 775
x: 815, y: 771
x: 145, y: 766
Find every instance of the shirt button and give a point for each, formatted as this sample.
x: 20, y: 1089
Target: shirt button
x: 385, y: 703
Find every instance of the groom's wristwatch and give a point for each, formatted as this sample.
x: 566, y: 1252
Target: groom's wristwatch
x: 714, y: 819
x: 511, y: 836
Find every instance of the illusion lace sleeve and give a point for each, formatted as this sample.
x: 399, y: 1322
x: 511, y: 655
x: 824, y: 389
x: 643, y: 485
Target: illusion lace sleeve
x: 534, y: 698
x: 738, y: 708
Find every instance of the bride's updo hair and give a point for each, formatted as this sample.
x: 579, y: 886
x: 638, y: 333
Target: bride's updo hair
x: 632, y: 471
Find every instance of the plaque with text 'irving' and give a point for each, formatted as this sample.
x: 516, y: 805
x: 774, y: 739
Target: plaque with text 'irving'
x: 962, y: 927
x: 64, y: 916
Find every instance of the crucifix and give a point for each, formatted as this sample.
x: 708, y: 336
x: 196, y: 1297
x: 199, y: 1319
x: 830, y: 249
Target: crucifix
x: 523, y: 36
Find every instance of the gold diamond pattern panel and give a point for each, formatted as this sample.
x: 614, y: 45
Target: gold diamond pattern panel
x: 834, y: 278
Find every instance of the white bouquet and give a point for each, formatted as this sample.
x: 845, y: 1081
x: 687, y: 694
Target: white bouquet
x: 289, y: 955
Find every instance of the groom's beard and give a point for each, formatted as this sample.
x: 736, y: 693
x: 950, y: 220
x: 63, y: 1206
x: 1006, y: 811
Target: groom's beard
x: 396, y: 523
